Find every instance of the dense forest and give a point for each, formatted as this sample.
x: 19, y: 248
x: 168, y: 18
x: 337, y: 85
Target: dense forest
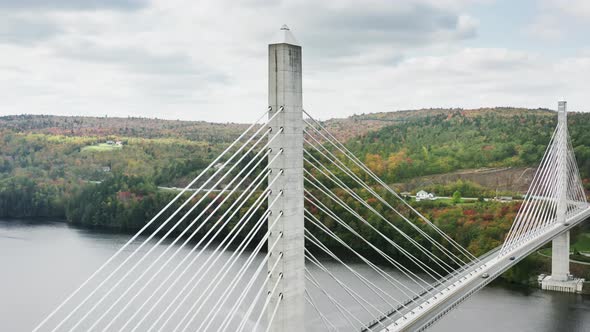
x: 103, y: 172
x: 445, y: 142
x: 44, y: 160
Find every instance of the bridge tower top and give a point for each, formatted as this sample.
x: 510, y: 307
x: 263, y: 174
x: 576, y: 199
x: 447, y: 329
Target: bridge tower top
x: 285, y: 36
x: 562, y: 112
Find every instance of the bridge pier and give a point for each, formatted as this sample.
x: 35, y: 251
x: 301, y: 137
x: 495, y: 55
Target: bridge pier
x: 560, y: 279
x: 560, y: 258
x: 287, y: 302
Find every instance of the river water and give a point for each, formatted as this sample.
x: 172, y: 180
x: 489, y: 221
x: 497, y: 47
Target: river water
x: 43, y: 262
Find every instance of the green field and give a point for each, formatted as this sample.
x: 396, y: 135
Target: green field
x: 447, y: 201
x: 450, y: 200
x: 101, y: 147
x: 582, y: 242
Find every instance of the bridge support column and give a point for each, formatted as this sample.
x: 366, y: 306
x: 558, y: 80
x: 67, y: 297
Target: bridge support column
x: 285, y: 90
x: 560, y: 255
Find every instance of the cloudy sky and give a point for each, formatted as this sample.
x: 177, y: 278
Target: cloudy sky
x: 206, y: 59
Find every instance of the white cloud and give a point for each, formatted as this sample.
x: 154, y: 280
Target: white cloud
x: 556, y: 19
x: 29, y: 5
x: 466, y: 78
x: 545, y: 27
x: 207, y: 60
x: 573, y: 8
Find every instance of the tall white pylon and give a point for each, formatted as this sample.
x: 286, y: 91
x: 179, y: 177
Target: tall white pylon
x: 555, y: 193
x: 287, y: 303
x: 560, y: 254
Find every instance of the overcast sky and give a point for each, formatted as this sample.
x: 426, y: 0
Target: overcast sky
x: 206, y: 59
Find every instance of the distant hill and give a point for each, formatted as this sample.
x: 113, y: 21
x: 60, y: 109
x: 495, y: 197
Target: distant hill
x: 359, y: 125
x: 122, y: 127
x: 407, y: 144
x: 398, y: 146
x: 343, y: 128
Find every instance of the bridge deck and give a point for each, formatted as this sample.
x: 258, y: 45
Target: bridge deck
x: 448, y: 295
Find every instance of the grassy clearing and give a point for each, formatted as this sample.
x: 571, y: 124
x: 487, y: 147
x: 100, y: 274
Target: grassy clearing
x: 582, y: 242
x: 448, y: 201
x: 461, y: 202
x: 101, y: 147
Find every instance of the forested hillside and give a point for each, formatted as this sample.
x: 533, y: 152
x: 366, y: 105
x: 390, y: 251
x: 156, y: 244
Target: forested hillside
x: 104, y: 172
x: 122, y: 127
x: 440, y: 142
x: 46, y: 160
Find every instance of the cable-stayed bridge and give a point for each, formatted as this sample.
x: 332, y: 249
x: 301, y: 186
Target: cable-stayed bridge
x: 252, y: 243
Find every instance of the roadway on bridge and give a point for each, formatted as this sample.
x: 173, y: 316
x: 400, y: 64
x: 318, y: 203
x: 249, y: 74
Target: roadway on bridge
x: 451, y: 293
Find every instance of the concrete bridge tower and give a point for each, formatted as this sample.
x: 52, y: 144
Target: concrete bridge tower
x: 560, y: 257
x: 285, y: 91
x: 560, y: 278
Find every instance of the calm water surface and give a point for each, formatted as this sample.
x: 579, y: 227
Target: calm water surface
x: 43, y: 262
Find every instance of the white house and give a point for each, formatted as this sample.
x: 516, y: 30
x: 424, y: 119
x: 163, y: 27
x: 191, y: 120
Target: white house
x: 423, y: 195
